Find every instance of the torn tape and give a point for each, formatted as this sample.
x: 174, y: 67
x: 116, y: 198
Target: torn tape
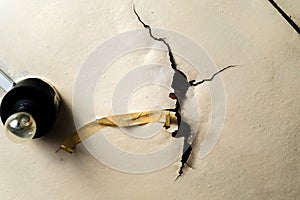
x: 125, y: 120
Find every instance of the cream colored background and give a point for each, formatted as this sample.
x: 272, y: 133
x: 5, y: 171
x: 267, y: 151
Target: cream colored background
x: 257, y: 156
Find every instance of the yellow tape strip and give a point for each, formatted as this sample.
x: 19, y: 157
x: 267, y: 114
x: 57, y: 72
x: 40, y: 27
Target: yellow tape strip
x: 125, y: 120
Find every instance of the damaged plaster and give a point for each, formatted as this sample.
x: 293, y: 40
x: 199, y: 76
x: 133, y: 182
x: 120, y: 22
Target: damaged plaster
x: 180, y: 85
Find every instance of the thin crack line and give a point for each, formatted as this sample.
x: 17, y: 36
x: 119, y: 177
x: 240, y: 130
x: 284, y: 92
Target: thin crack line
x: 172, y: 60
x: 171, y: 57
x: 192, y: 83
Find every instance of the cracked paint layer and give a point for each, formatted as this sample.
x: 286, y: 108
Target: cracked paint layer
x: 180, y: 85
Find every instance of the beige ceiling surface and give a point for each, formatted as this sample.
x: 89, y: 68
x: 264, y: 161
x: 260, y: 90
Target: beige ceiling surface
x: 257, y: 155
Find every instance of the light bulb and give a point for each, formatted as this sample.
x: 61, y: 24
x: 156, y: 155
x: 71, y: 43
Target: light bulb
x: 20, y: 127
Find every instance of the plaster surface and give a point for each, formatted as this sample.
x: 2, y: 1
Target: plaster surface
x: 257, y: 155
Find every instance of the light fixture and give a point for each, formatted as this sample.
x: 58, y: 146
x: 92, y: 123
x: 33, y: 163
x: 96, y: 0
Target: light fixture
x: 29, y: 108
